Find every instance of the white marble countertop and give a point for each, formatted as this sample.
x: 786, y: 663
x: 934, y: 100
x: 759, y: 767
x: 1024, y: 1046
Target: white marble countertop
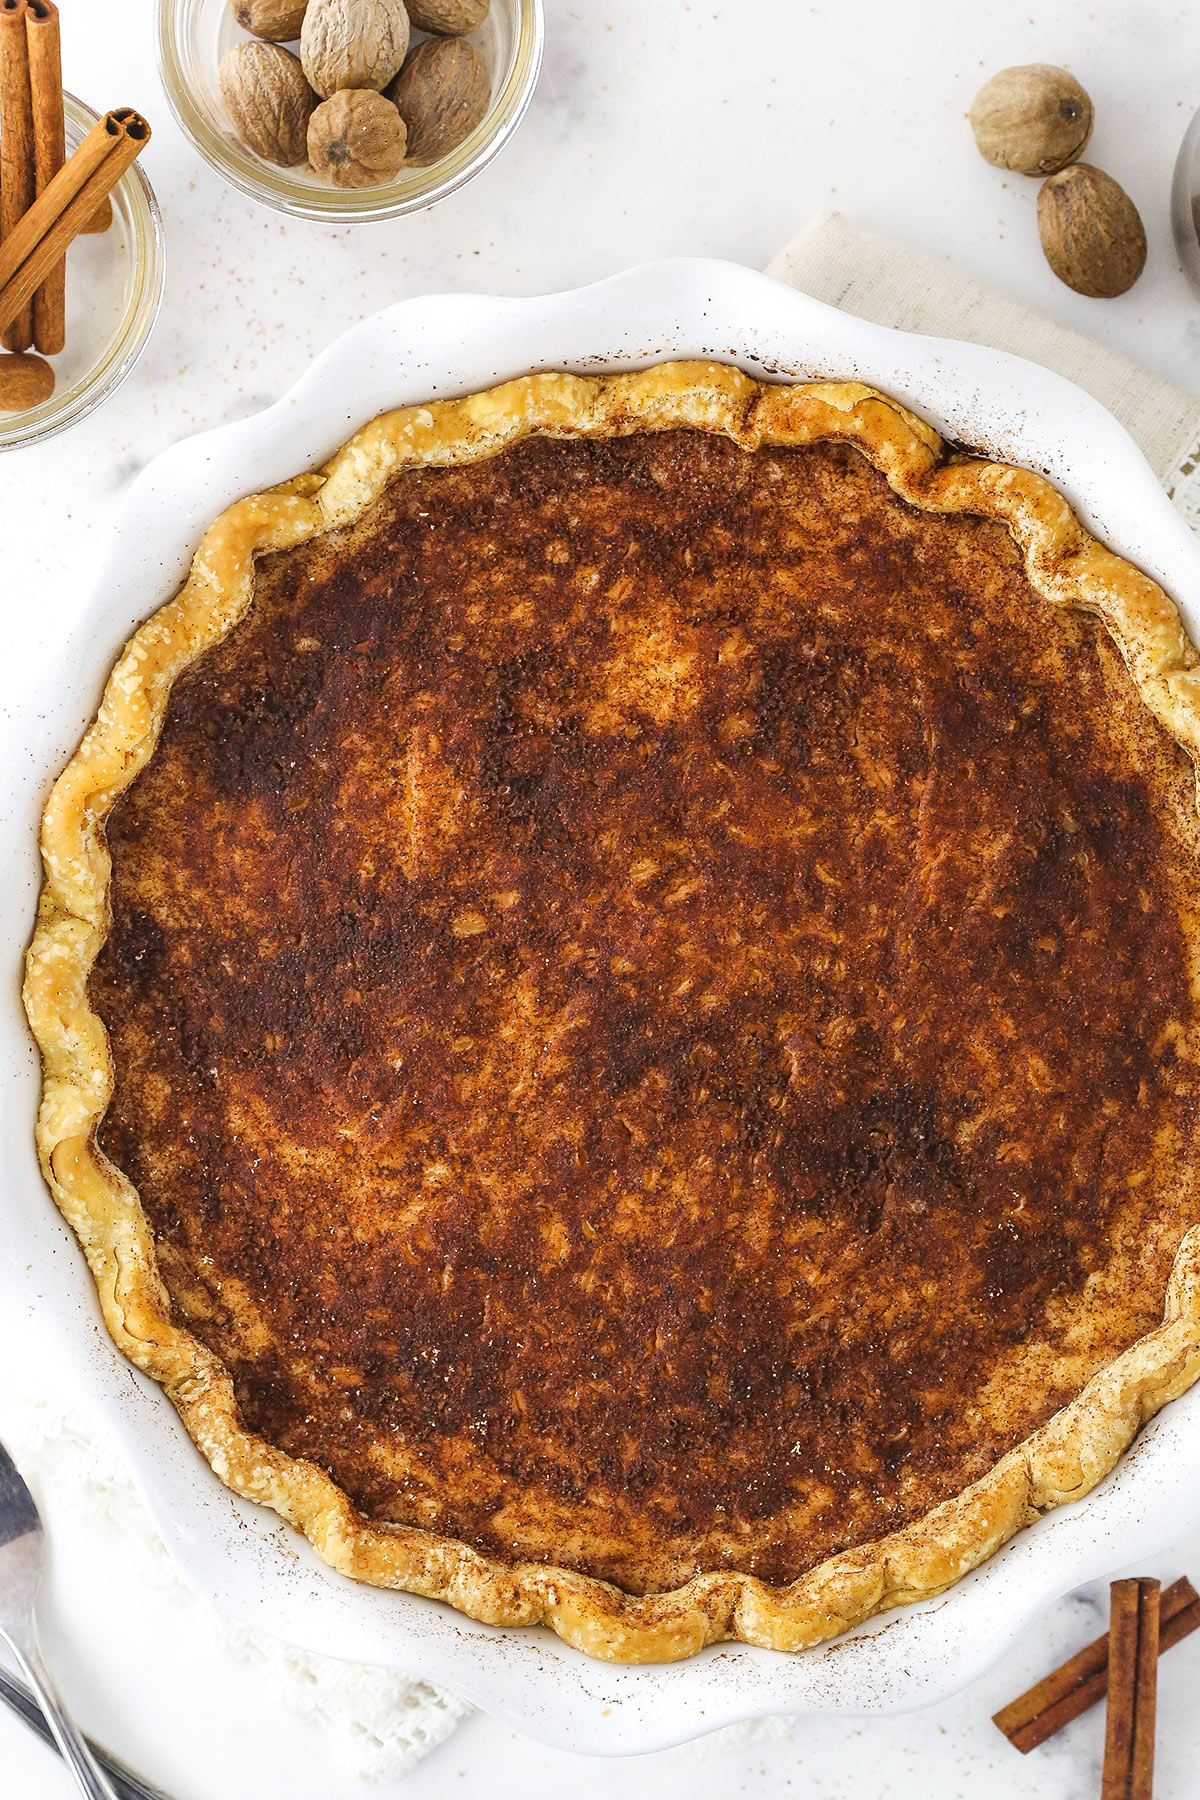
x: 686, y: 126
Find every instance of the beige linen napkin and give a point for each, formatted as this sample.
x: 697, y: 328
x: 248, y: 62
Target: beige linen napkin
x: 891, y: 285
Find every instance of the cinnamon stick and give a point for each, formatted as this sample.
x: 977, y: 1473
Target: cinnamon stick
x: 1132, y: 1690
x: 128, y: 134
x: 50, y: 151
x: 17, y: 177
x: 75, y: 173
x: 1082, y: 1681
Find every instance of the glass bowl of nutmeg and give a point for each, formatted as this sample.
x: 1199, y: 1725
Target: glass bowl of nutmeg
x: 349, y: 109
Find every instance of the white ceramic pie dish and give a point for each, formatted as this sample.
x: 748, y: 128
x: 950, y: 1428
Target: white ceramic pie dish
x: 244, y: 1557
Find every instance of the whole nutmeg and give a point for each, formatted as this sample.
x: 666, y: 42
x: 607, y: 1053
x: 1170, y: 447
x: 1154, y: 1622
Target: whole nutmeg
x: 278, y: 21
x: 1035, y: 119
x: 356, y: 138
x: 353, y: 43
x: 1091, y: 231
x: 449, y: 18
x: 25, y: 381
x: 269, y: 101
x: 102, y: 218
x: 442, y: 93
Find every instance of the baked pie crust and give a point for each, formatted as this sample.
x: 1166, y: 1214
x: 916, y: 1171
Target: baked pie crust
x: 1059, y: 1461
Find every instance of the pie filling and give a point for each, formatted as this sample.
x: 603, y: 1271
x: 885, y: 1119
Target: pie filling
x: 651, y: 989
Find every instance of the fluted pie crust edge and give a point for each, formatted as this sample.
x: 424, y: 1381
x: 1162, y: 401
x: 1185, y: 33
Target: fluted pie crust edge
x: 1060, y: 1462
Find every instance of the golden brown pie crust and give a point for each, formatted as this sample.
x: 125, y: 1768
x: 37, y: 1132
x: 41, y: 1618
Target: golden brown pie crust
x: 756, y: 1601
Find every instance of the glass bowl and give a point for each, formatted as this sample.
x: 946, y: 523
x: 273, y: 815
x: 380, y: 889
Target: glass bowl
x: 1185, y: 202
x: 114, y: 290
x: 193, y: 35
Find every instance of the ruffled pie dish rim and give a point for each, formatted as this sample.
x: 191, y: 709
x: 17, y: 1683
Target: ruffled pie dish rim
x: 1059, y: 1463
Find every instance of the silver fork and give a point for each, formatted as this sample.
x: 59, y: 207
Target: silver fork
x: 129, y: 1784
x: 22, y: 1542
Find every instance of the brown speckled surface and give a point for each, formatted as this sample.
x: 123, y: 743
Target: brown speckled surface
x: 647, y: 986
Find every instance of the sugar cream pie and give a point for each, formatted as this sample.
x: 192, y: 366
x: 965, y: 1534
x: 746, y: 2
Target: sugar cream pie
x: 619, y: 984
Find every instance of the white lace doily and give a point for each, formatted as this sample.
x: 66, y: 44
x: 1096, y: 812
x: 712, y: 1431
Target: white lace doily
x: 378, y: 1723
x: 1183, y: 486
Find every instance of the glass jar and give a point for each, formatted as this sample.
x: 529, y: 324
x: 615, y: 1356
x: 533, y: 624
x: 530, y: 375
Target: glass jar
x: 193, y: 35
x: 1185, y: 202
x: 114, y: 290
